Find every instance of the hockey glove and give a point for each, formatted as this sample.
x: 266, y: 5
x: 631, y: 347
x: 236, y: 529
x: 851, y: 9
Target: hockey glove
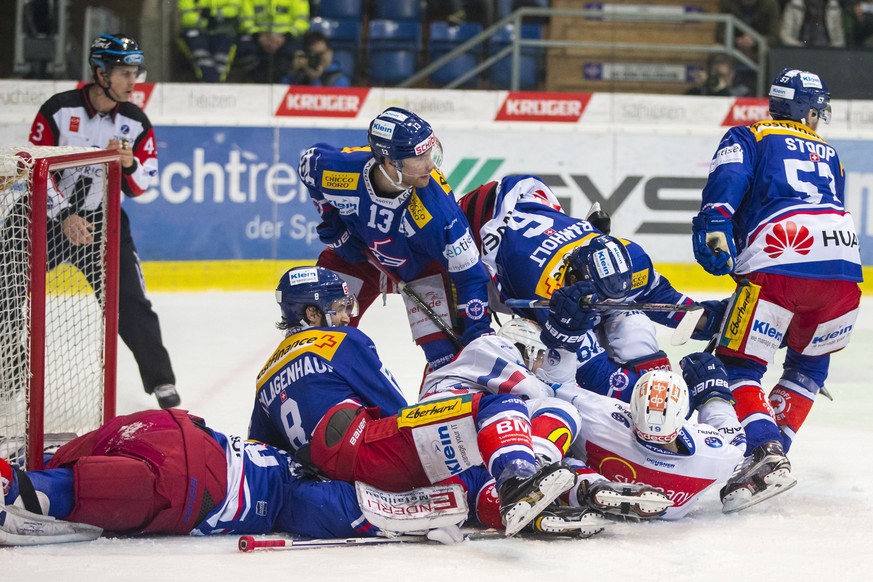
x: 335, y: 236
x: 706, y: 378
x: 713, y: 241
x: 714, y: 311
x: 568, y: 320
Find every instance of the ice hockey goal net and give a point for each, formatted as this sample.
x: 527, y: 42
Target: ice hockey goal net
x: 58, y: 295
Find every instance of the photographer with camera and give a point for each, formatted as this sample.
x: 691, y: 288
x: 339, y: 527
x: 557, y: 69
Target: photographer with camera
x: 718, y: 79
x: 314, y: 65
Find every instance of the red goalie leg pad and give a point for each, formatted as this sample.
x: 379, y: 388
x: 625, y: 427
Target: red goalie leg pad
x: 750, y: 400
x: 790, y: 408
x: 115, y: 493
x: 488, y: 506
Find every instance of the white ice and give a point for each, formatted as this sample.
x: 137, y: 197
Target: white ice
x: 820, y: 530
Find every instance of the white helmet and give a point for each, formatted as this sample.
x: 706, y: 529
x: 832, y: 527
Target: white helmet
x: 525, y: 334
x: 659, y: 406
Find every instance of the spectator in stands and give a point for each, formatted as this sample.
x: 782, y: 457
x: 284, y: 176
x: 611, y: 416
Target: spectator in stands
x: 272, y: 32
x: 761, y: 15
x: 813, y: 23
x: 861, y: 22
x: 461, y: 11
x: 208, y: 30
x: 314, y: 65
x: 719, y: 78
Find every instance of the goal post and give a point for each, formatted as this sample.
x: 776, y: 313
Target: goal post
x: 60, y: 209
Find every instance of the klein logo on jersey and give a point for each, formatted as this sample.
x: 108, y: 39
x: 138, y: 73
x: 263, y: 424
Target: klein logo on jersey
x: 785, y: 236
x: 746, y: 110
x: 340, y: 180
x: 435, y: 411
x: 819, y: 339
x: 530, y: 106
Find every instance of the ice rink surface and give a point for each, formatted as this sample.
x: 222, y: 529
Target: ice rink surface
x: 820, y: 530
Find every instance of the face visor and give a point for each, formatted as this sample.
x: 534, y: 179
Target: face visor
x: 343, y: 306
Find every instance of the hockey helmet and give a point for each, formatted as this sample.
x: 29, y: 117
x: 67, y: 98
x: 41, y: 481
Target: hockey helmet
x: 659, y: 406
x: 304, y: 286
x: 525, y: 335
x: 604, y: 261
x: 112, y: 50
x: 401, y: 135
x: 794, y: 92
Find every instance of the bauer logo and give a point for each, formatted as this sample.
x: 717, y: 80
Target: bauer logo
x: 321, y: 102
x: 529, y: 106
x: 746, y: 110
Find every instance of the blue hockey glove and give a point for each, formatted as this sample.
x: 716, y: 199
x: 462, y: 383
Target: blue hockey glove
x: 706, y: 378
x: 568, y: 320
x: 336, y: 237
x: 712, y: 238
x: 714, y: 314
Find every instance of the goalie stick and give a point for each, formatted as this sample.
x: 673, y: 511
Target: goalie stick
x: 415, y: 297
x: 251, y: 543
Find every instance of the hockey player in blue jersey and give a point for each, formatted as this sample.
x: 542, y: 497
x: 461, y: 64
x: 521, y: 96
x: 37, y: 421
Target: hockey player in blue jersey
x: 390, y: 203
x: 773, y: 216
x: 166, y: 472
x: 536, y: 251
x: 326, y: 387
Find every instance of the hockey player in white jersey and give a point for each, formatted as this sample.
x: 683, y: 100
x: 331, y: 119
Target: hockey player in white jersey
x: 651, y: 441
x: 509, y: 363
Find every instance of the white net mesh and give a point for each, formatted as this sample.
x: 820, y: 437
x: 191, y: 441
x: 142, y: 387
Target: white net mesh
x: 74, y: 327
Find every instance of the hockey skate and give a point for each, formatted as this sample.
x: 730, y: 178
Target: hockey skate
x: 581, y: 522
x: 761, y: 475
x: 521, y: 500
x: 628, y: 500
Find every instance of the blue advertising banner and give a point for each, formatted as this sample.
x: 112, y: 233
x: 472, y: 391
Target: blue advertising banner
x: 230, y: 193
x: 857, y: 158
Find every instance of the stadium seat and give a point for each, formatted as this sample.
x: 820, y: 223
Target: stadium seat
x: 393, y: 50
x: 443, y: 38
x: 501, y: 72
x: 344, y: 37
x: 398, y: 10
x: 340, y: 9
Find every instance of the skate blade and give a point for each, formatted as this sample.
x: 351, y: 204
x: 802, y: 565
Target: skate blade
x: 549, y: 489
x: 589, y: 525
x: 645, y: 505
x: 777, y: 482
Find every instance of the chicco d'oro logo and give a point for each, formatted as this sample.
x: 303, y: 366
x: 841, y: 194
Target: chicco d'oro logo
x: 788, y: 236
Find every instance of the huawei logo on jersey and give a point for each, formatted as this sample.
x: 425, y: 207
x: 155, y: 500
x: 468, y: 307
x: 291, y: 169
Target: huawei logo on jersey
x: 788, y: 236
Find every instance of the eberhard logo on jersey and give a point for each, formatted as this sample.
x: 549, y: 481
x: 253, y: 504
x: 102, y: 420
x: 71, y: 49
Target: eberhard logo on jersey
x: 340, y: 180
x: 435, y: 411
x: 318, y: 342
x: 739, y: 315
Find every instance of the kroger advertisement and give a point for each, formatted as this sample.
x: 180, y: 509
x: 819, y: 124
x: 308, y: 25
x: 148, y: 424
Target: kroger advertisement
x: 233, y: 192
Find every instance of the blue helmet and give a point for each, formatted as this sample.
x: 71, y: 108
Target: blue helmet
x: 112, y: 50
x: 400, y: 134
x: 304, y: 286
x: 793, y: 93
x: 603, y: 261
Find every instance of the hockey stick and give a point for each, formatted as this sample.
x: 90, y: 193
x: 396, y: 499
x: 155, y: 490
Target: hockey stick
x: 250, y: 544
x: 417, y: 299
x: 605, y: 306
x: 681, y: 335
